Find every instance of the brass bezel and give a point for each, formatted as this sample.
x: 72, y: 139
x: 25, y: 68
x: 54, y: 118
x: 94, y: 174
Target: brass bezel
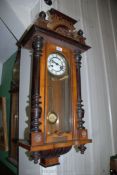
x: 50, y: 113
x: 65, y: 74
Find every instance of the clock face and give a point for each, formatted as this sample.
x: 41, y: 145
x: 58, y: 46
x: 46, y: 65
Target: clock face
x: 56, y: 64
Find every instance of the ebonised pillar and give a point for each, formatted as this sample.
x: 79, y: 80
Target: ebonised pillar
x: 36, y: 109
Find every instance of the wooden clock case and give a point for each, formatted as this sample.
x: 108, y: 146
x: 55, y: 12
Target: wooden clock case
x: 57, y: 34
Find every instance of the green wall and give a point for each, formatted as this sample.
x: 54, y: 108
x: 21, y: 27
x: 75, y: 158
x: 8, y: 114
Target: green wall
x: 4, y: 91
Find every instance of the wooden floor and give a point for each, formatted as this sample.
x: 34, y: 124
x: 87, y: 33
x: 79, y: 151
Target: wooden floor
x: 4, y: 170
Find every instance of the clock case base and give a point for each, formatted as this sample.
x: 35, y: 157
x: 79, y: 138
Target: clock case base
x: 49, y: 153
x: 43, y: 147
x: 48, y: 162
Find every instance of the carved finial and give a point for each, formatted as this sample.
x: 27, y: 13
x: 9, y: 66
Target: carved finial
x: 35, y: 157
x: 42, y: 15
x: 79, y: 57
x: 80, y: 32
x: 82, y: 148
x: 48, y: 2
x: 37, y: 43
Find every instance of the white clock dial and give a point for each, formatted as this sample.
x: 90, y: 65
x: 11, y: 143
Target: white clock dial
x: 56, y: 64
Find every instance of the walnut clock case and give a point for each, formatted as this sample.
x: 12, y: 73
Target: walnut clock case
x: 56, y: 103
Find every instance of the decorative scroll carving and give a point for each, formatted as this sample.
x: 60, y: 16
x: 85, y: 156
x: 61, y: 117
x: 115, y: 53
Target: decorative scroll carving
x: 50, y: 157
x: 57, y: 19
x: 60, y: 23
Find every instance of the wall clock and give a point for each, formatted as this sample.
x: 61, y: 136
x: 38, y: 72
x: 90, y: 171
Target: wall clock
x: 56, y: 104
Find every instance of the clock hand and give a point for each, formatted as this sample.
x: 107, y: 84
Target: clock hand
x: 55, y: 63
x: 61, y: 67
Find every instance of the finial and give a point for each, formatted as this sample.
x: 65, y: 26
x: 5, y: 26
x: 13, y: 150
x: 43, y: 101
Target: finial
x: 48, y: 2
x: 80, y: 32
x: 42, y: 15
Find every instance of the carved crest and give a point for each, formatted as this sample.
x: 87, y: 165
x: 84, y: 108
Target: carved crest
x: 60, y: 23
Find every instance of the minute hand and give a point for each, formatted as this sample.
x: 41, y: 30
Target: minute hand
x: 55, y: 63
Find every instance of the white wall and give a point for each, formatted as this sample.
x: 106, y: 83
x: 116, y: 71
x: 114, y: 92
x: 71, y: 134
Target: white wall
x: 15, y: 17
x: 16, y: 14
x: 8, y: 44
x: 99, y: 84
x: 113, y: 62
x: 113, y: 9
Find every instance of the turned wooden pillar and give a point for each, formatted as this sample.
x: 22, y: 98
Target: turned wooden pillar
x: 35, y: 91
x: 80, y: 110
x: 82, y: 132
x: 36, y: 109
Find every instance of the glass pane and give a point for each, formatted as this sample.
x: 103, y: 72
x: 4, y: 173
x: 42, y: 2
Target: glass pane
x: 59, y: 103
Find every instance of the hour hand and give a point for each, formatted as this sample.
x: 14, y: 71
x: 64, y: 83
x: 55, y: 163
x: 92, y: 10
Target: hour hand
x: 61, y: 67
x: 55, y: 62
